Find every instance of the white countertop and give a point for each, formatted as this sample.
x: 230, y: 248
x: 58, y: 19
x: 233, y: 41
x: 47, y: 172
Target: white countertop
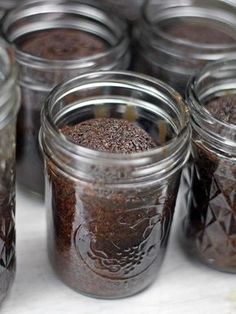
x: 182, y: 287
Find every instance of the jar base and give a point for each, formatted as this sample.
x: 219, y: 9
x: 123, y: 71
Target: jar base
x: 190, y: 250
x: 10, y: 278
x: 99, y: 297
x: 65, y: 279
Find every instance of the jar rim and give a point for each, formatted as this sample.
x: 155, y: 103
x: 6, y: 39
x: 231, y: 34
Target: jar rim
x: 171, y: 145
x: 28, y: 8
x: 200, y: 116
x: 199, y: 51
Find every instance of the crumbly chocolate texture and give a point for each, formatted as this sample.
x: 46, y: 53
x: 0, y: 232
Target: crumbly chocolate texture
x: 110, y: 135
x: 61, y: 44
x: 107, y: 240
x: 223, y: 108
x: 201, y: 32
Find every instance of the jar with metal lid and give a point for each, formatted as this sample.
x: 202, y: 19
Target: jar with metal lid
x: 210, y: 223
x: 54, y: 41
x: 9, y: 105
x: 113, y: 158
x: 176, y: 38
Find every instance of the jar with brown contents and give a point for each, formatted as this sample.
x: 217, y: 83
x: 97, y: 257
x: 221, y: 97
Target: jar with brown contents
x: 210, y: 183
x: 176, y: 38
x: 9, y: 105
x: 52, y: 47
x: 113, y: 159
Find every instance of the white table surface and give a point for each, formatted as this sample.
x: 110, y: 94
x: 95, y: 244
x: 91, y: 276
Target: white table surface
x: 182, y: 286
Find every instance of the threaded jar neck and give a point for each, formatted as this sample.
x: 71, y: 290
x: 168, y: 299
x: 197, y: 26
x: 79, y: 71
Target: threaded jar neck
x: 158, y: 16
x: 33, y: 16
x: 214, y: 81
x: 140, y: 99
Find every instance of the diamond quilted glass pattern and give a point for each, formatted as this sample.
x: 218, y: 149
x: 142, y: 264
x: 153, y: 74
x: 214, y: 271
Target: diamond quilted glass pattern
x: 211, y: 203
x: 7, y: 209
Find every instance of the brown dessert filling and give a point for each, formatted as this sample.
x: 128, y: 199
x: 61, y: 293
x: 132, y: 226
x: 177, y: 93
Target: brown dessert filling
x: 110, y: 135
x: 223, y: 108
x: 108, y: 240
x: 61, y: 44
x: 200, y: 32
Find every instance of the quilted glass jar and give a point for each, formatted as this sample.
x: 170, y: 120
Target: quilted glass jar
x: 9, y: 105
x: 210, y: 182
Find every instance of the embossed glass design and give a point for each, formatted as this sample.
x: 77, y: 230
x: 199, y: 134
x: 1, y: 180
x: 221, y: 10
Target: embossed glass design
x: 176, y: 38
x: 210, y: 182
x: 109, y: 215
x: 41, y: 68
x: 9, y: 104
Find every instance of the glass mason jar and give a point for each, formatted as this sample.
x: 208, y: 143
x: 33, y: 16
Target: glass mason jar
x: 7, y: 5
x: 210, y: 224
x: 109, y: 215
x: 48, y: 51
x: 9, y: 105
x: 128, y: 9
x: 176, y: 38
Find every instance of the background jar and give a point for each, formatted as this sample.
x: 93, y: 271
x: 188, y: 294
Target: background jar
x: 129, y: 9
x: 172, y: 51
x: 9, y: 4
x: 6, y: 5
x: 109, y: 215
x: 38, y: 75
x: 210, y: 224
x: 9, y: 105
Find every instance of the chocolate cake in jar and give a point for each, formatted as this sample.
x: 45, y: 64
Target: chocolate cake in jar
x: 111, y: 183
x: 210, y: 192
x: 175, y: 39
x: 50, y: 48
